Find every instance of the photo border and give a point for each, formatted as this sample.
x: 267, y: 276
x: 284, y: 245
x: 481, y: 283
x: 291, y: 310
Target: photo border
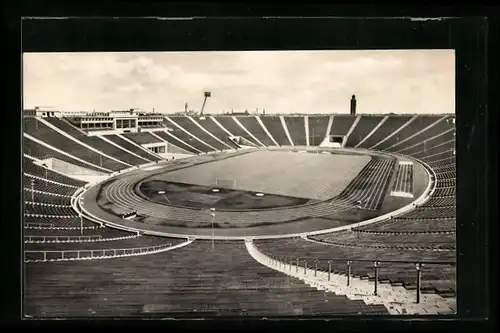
x: 475, y: 171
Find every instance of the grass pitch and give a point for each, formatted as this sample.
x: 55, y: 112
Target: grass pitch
x: 311, y: 176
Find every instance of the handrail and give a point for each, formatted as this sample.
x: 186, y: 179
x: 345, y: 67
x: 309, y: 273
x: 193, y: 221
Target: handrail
x: 423, y: 262
x: 366, y: 231
x: 281, y: 263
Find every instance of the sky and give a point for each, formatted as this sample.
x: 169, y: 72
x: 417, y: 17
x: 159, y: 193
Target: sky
x: 385, y: 81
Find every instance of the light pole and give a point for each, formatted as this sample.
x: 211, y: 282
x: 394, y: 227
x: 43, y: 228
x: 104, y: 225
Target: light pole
x: 359, y: 207
x: 81, y: 223
x: 32, y: 190
x: 212, y: 212
x: 358, y: 211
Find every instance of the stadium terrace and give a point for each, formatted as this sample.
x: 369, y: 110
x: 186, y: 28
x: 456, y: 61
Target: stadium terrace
x: 128, y: 213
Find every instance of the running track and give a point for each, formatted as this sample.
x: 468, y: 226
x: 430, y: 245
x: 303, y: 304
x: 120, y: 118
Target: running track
x: 369, y: 187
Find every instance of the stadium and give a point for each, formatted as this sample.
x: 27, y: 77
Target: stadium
x: 191, y: 215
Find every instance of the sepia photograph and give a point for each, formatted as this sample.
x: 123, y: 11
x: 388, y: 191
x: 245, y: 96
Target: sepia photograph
x: 211, y: 184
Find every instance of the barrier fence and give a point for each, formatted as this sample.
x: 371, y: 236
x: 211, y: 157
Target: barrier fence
x: 52, y: 226
x: 38, y: 225
x: 286, y: 263
x: 74, y: 239
x: 59, y: 255
x: 60, y: 239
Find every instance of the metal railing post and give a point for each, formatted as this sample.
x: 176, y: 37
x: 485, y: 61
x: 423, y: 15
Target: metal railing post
x: 305, y: 267
x: 329, y: 269
x: 418, y: 267
x: 297, y: 266
x: 315, y: 267
x: 44, y: 256
x: 348, y: 272
x: 376, y: 265
x: 62, y: 254
x: 290, y: 265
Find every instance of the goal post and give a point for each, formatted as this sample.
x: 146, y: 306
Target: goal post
x: 225, y: 183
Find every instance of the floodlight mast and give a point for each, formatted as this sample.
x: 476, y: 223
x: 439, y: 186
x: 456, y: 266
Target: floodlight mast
x: 207, y: 94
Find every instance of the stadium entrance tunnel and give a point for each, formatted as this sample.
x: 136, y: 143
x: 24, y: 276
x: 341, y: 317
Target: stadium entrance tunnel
x: 220, y: 198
